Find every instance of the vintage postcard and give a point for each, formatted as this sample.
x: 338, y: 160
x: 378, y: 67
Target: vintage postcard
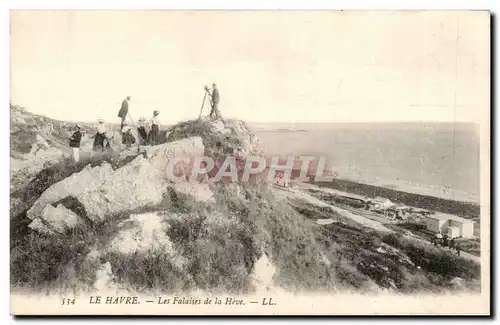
x: 250, y: 162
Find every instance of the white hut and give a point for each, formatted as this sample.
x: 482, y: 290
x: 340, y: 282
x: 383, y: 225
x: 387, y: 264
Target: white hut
x: 450, y: 225
x: 382, y: 203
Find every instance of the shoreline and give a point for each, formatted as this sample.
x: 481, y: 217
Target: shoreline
x: 437, y: 191
x: 465, y: 209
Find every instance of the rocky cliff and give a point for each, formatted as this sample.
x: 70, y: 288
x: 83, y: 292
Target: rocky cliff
x: 119, y: 222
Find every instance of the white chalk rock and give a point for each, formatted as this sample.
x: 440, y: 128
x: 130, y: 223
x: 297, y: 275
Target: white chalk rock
x: 327, y: 221
x: 38, y: 225
x: 132, y: 186
x: 18, y: 120
x: 263, y: 273
x: 60, y: 218
x: 169, y: 150
x: 86, y: 180
x: 218, y: 126
x: 104, y: 277
x: 181, y: 152
x: 145, y: 232
x: 199, y: 191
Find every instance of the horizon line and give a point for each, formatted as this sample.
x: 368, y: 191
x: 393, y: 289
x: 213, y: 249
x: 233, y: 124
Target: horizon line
x: 271, y: 122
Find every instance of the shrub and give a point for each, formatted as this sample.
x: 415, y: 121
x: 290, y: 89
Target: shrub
x: 149, y: 270
x: 213, y: 141
x: 221, y: 253
x: 37, y: 259
x: 21, y: 140
x: 290, y: 240
x: 434, y: 259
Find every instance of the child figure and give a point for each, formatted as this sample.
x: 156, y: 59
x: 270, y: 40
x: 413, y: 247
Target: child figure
x: 128, y: 138
x: 141, y: 130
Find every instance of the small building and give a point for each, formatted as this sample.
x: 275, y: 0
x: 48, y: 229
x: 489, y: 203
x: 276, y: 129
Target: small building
x: 453, y: 232
x: 354, y: 199
x: 399, y: 211
x: 422, y: 212
x: 450, y: 225
x: 382, y: 203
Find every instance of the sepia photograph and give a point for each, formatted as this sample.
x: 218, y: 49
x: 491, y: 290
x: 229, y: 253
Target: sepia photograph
x: 169, y: 162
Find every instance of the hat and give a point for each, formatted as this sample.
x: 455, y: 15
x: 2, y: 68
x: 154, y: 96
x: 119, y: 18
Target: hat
x: 142, y: 119
x: 78, y: 126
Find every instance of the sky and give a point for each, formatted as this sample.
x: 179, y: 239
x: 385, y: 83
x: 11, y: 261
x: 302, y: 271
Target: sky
x: 274, y: 66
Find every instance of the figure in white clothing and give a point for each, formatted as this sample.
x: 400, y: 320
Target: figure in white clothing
x: 100, y: 136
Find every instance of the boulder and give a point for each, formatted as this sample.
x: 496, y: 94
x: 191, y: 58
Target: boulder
x: 188, y: 146
x: 93, y: 255
x: 457, y: 282
x: 18, y: 120
x: 183, y: 151
x: 41, y: 141
x: 104, y: 278
x: 86, y: 180
x: 250, y: 142
x: 325, y: 260
x: 198, y: 191
x: 57, y: 219
x: 14, y: 128
x: 327, y: 221
x: 145, y: 232
x: 132, y: 186
x: 219, y: 126
x: 38, y: 225
x: 262, y: 273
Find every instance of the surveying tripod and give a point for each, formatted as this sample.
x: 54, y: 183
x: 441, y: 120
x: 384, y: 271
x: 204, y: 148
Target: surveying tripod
x: 207, y: 92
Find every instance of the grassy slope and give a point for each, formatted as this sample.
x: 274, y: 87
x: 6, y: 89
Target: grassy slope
x: 359, y: 246
x: 222, y: 252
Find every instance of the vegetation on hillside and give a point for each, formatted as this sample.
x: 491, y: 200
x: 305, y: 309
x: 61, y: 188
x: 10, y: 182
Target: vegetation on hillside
x: 215, y: 142
x: 220, y: 242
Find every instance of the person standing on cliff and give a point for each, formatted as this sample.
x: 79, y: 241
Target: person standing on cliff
x: 141, y: 130
x: 124, y: 111
x: 100, y: 136
x: 74, y: 143
x: 128, y: 138
x: 215, y: 99
x: 155, y: 129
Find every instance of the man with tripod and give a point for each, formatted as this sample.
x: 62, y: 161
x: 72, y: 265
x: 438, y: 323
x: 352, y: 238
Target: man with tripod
x: 214, y: 101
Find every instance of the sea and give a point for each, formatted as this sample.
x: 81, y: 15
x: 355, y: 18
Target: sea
x: 437, y: 159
